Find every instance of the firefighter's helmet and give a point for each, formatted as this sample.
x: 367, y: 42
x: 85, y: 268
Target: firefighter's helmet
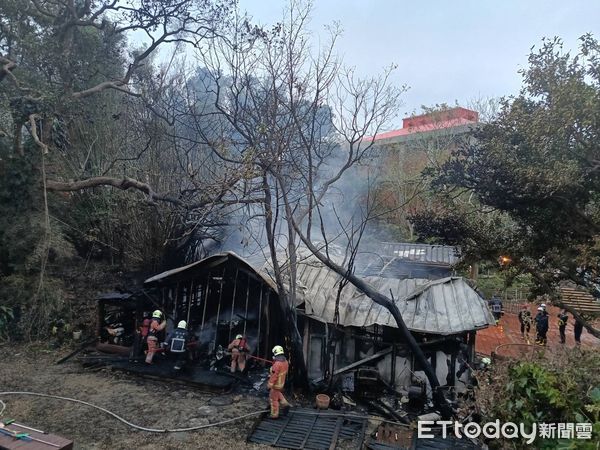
x: 239, y: 336
x: 277, y: 350
x: 182, y: 324
x: 157, y: 314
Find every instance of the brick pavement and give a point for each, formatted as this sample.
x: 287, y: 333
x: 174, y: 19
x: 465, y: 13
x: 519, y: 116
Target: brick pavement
x: 509, y: 332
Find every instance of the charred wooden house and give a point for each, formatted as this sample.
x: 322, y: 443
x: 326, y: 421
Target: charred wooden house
x: 349, y: 338
x: 219, y: 297
x: 357, y: 340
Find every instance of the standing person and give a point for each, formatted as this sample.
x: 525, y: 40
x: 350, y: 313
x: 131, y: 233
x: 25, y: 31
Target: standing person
x: 238, y: 348
x: 525, y: 321
x: 141, y: 334
x: 562, y: 325
x: 577, y: 330
x: 157, y: 325
x: 495, y: 305
x: 541, y: 325
x: 177, y: 344
x: 276, y: 382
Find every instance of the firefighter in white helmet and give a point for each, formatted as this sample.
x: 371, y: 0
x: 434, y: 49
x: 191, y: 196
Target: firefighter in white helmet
x: 238, y: 348
x: 178, y: 344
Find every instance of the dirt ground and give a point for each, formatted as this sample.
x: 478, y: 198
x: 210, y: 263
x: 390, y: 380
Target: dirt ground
x: 149, y: 403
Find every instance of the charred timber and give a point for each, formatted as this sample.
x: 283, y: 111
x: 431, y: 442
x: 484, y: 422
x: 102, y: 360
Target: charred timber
x: 438, y: 395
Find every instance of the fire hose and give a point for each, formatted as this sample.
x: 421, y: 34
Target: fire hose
x: 126, y: 422
x: 220, y: 353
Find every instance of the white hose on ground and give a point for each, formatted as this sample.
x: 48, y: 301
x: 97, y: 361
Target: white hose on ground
x: 126, y: 422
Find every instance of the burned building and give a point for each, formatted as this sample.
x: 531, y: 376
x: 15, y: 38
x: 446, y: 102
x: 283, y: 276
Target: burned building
x: 346, y: 334
x: 346, y: 338
x: 219, y: 297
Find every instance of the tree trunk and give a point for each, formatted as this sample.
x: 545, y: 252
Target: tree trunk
x: 438, y: 396
x: 287, y: 307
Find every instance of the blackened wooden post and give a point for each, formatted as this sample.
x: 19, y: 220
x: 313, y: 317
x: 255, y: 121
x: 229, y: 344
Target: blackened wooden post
x: 306, y: 338
x: 452, y: 369
x: 394, y: 353
x: 205, y: 301
x: 190, y: 300
x: 268, y: 325
x: 246, y: 311
x: 219, y: 308
x: 233, y: 302
x: 175, y: 300
x: 259, y: 320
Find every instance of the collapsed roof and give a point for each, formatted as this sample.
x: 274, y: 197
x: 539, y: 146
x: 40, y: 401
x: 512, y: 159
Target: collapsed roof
x: 445, y: 306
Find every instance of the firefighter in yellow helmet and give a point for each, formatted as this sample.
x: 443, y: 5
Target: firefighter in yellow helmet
x: 157, y: 325
x: 238, y: 348
x: 276, y: 381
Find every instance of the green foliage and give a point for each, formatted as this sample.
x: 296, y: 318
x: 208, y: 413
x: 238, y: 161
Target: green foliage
x: 19, y: 231
x: 6, y: 315
x: 552, y: 388
x: 500, y: 281
x: 530, y: 175
x: 34, y: 307
x: 534, y: 394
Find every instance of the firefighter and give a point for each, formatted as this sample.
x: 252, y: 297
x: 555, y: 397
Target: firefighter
x: 156, y: 327
x: 238, y: 348
x: 541, y: 326
x: 577, y: 330
x: 142, y: 333
x: 276, y: 382
x: 496, y: 307
x: 177, y: 344
x: 525, y: 321
x: 562, y: 325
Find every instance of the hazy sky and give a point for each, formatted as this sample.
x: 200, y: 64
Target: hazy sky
x: 445, y: 50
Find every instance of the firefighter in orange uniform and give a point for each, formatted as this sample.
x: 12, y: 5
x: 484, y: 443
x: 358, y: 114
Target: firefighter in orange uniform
x: 156, y: 326
x: 276, y: 382
x: 238, y: 349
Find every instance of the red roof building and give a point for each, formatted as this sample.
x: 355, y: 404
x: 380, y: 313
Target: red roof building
x: 423, y: 141
x: 439, y: 120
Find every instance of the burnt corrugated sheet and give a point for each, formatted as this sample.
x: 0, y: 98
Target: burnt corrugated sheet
x: 210, y: 261
x: 445, y: 306
x: 309, y: 429
x: 436, y: 443
x: 422, y: 253
x: 392, y: 267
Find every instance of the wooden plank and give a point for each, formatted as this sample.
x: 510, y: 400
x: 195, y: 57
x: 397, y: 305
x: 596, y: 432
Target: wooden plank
x: 359, y: 363
x: 336, y: 433
x: 9, y: 443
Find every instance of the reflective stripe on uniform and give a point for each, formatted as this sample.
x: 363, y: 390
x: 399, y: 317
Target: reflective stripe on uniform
x: 177, y: 345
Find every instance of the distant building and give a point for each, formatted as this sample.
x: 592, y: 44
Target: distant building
x: 454, y: 120
x: 423, y: 141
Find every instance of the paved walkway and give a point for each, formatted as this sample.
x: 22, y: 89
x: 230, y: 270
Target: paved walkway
x: 509, y: 332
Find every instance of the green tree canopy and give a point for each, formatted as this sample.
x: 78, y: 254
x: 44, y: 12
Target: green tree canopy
x: 528, y: 182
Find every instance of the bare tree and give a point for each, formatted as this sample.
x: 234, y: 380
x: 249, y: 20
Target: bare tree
x: 297, y: 119
x: 50, y: 84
